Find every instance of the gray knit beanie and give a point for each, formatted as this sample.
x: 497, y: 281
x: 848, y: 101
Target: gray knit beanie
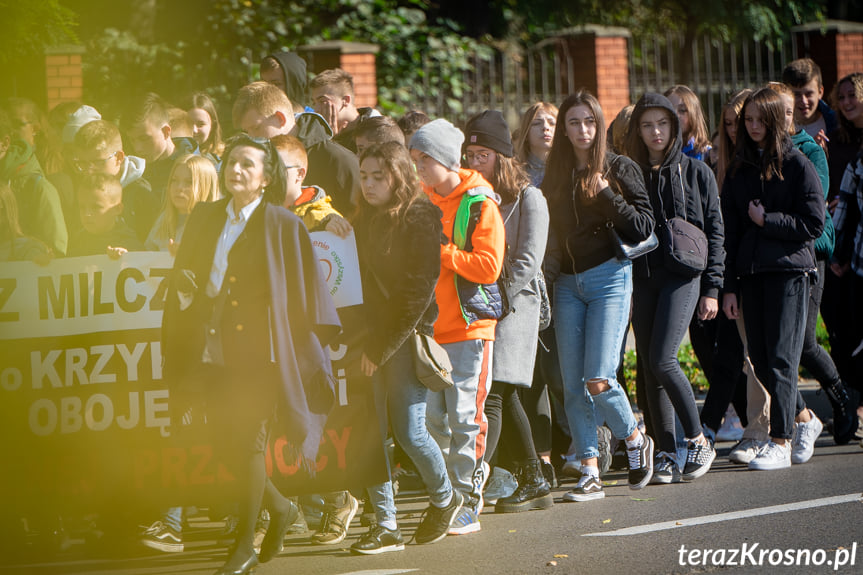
x: 440, y: 140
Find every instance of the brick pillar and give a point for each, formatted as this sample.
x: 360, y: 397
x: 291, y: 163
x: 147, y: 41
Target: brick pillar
x: 355, y: 58
x: 64, y: 80
x: 600, y: 58
x: 836, y: 46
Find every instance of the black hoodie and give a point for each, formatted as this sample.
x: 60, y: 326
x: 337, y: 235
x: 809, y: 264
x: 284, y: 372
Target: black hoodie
x: 677, y: 177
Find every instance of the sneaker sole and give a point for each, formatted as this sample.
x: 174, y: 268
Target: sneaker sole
x: 583, y: 498
x: 770, y: 467
x: 164, y: 547
x: 379, y: 550
x: 543, y: 502
x: 663, y: 480
x: 465, y: 530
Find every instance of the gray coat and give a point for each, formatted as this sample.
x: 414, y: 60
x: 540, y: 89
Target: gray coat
x: 526, y: 223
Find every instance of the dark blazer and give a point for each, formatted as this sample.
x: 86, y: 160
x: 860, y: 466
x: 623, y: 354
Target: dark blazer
x: 274, y: 314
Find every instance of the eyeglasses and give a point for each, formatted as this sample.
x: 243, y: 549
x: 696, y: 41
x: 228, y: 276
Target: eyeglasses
x: 480, y: 157
x: 83, y: 165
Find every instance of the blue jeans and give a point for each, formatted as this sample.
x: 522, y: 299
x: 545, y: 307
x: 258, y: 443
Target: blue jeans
x: 397, y: 388
x: 591, y: 314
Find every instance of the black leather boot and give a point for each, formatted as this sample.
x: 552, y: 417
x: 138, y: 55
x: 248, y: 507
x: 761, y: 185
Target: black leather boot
x: 533, y: 491
x: 844, y: 412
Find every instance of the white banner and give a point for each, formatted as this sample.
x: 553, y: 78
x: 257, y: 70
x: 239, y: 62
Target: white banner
x: 340, y: 267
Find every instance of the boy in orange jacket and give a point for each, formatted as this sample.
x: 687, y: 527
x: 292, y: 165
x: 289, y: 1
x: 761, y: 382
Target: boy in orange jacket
x: 468, y: 307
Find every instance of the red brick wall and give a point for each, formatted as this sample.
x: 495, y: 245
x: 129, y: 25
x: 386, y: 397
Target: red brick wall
x: 63, y: 78
x: 362, y: 67
x: 849, y: 54
x: 600, y: 65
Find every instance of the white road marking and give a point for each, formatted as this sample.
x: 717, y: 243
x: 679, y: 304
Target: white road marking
x: 380, y: 572
x: 692, y: 521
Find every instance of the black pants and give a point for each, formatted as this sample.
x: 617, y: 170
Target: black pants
x: 775, y: 307
x: 726, y: 376
x: 543, y: 400
x: 507, y: 420
x: 814, y: 357
x: 663, y: 307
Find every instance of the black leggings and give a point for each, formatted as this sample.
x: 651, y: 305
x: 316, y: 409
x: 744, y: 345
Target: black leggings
x: 726, y: 376
x: 506, y: 418
x: 663, y: 307
x: 814, y: 357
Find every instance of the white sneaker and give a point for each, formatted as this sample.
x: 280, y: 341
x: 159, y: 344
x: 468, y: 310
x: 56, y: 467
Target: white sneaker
x: 772, y: 456
x: 745, y: 451
x: 803, y: 442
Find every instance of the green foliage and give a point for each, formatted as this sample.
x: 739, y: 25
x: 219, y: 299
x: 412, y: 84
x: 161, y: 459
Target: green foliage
x: 27, y: 28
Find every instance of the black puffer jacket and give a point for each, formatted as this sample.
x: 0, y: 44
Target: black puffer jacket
x: 793, y: 218
x: 408, y: 272
x: 580, y: 224
x: 680, y: 177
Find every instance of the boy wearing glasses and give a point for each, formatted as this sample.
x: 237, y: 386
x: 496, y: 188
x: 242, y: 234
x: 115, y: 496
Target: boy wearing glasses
x: 98, y: 149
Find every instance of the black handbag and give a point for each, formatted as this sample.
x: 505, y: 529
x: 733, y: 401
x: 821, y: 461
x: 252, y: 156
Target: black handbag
x: 685, y: 243
x: 627, y: 250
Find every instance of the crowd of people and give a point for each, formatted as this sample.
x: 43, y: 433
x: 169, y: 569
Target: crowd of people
x: 526, y: 254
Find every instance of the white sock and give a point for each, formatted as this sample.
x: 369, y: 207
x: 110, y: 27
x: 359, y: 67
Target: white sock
x: 635, y: 443
x: 446, y: 502
x: 389, y: 524
x: 591, y: 470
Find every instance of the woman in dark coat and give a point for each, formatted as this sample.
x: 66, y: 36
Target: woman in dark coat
x: 773, y: 207
x: 247, y: 319
x: 399, y: 234
x: 664, y: 299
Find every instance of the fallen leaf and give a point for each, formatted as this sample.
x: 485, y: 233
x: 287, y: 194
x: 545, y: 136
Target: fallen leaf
x: 643, y: 499
x: 560, y: 556
x: 610, y: 482
x: 513, y: 530
x: 551, y: 564
x: 678, y: 523
x: 606, y: 520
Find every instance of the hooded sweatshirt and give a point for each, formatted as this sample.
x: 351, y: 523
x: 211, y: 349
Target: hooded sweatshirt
x: 40, y: 212
x: 331, y: 166
x: 294, y: 70
x: 681, y: 187
x: 315, y: 208
x: 810, y: 148
x: 141, y: 204
x: 481, y: 265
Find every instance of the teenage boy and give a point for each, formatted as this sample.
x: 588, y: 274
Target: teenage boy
x: 149, y: 129
x: 98, y: 149
x: 377, y: 130
x: 264, y: 111
x: 100, y: 205
x: 811, y: 113
x: 471, y: 259
x: 333, y: 98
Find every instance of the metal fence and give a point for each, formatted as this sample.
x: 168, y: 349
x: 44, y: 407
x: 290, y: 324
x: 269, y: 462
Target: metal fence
x: 718, y: 68
x: 512, y: 81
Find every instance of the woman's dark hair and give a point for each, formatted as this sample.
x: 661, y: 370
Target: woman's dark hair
x: 776, y: 140
x: 274, y: 169
x: 635, y: 146
x: 561, y: 160
x: 213, y: 144
x: 396, y: 163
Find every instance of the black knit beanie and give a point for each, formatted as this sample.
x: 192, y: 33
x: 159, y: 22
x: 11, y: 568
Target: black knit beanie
x: 489, y: 129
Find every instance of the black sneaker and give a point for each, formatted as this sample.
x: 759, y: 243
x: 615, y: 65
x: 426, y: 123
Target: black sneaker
x: 665, y: 470
x: 162, y: 537
x: 379, y: 539
x: 699, y: 458
x: 587, y: 489
x: 640, y: 463
x: 436, y: 521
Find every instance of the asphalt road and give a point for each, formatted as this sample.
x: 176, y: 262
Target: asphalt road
x: 813, y: 509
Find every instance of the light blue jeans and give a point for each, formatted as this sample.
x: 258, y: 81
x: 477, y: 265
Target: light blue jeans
x: 397, y: 388
x: 591, y: 314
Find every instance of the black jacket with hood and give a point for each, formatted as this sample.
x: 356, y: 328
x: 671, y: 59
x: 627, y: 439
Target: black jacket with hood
x: 683, y: 187
x: 331, y: 166
x: 793, y: 217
